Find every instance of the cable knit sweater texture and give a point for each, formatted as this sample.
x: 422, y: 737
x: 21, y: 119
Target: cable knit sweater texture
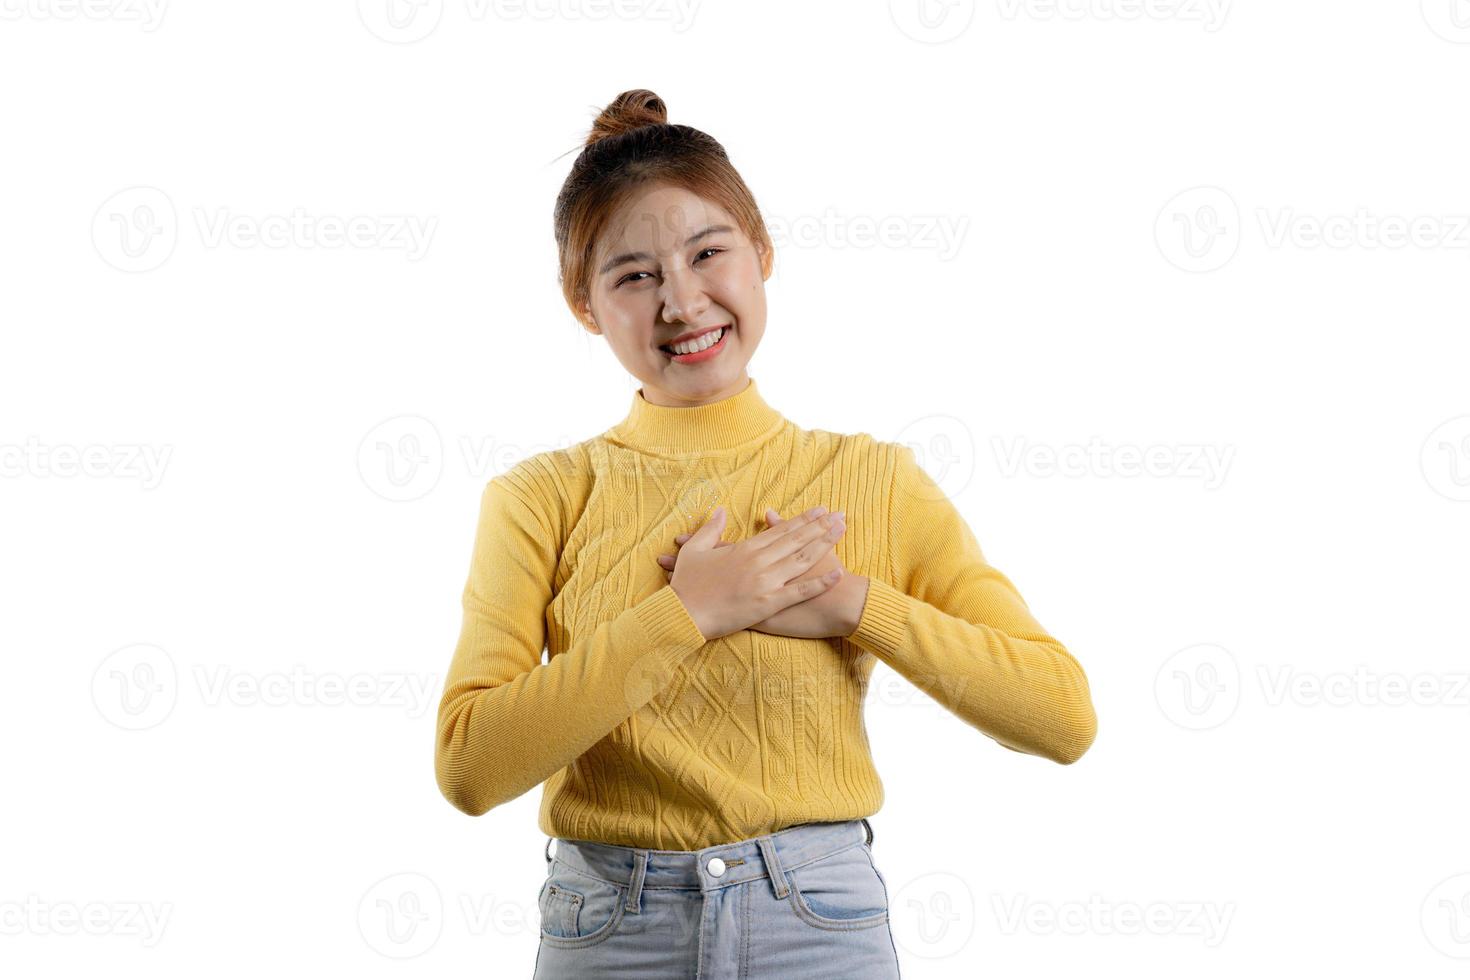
x: 646, y: 735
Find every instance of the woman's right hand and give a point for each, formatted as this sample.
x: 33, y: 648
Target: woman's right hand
x: 732, y: 587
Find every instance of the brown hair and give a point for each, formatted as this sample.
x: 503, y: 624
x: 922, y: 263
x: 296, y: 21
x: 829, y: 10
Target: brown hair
x: 632, y: 144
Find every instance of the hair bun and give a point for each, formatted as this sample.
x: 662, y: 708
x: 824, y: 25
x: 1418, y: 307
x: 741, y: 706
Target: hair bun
x: 630, y: 110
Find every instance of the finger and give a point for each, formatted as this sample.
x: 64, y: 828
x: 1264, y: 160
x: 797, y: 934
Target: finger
x: 801, y: 561
x: 794, y: 566
x: 686, y: 537
x: 773, y: 534
x: 819, y: 531
x: 713, y: 529
x: 805, y: 589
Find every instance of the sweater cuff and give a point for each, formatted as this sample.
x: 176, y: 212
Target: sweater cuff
x: 667, y: 622
x: 885, y: 619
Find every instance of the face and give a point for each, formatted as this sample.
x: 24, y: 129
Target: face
x: 671, y: 263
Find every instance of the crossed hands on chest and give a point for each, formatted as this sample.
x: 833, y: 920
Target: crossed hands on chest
x: 788, y: 576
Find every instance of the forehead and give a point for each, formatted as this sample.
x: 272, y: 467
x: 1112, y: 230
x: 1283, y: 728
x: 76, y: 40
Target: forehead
x: 658, y: 218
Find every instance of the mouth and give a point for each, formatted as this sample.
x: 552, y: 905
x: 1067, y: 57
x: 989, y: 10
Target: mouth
x: 715, y: 339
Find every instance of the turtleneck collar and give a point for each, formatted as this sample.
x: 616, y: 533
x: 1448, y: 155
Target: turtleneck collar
x: 727, y: 424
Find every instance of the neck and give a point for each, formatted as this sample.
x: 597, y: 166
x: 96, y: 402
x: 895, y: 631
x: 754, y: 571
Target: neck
x: 658, y: 396
x: 727, y: 423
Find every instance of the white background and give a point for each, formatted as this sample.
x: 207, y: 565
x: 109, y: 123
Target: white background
x: 1188, y: 230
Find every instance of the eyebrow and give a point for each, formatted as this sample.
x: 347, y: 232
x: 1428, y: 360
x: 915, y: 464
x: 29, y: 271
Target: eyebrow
x: 618, y: 260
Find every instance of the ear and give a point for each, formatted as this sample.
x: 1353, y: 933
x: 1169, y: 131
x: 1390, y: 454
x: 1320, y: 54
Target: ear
x: 767, y: 260
x: 584, y: 316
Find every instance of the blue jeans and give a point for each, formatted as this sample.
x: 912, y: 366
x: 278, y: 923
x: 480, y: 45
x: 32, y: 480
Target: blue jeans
x: 805, y: 902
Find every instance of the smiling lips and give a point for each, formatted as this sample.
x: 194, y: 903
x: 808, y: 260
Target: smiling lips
x: 691, y: 335
x: 696, y: 357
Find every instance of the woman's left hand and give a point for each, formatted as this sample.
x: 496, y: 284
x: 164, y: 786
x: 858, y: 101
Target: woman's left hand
x: 834, y: 612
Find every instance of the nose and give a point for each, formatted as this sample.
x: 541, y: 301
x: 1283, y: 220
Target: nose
x: 683, y: 297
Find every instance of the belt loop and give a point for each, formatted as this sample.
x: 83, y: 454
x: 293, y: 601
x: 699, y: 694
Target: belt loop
x: 773, y: 865
x: 635, y: 888
x: 870, y: 830
x: 548, y: 850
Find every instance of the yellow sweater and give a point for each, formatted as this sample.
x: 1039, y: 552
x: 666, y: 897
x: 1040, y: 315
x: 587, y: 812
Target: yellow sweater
x: 646, y: 735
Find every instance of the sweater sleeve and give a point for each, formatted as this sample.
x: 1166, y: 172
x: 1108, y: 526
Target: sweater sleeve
x: 956, y: 627
x: 507, y: 721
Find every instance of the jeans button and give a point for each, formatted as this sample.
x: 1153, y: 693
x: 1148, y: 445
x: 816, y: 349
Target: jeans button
x: 716, y: 867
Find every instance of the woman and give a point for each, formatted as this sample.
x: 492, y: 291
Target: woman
x: 698, y: 724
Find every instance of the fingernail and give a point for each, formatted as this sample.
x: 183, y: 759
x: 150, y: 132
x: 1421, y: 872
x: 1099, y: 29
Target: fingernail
x: 840, y: 514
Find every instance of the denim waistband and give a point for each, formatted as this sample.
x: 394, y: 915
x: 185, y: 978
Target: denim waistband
x: 769, y: 855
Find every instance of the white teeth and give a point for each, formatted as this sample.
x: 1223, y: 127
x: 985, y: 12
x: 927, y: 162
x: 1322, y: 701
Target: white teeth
x: 699, y: 343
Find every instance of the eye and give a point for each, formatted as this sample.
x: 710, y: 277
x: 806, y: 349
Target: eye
x: 701, y: 254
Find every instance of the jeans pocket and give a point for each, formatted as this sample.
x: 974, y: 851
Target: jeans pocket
x: 840, y: 891
x: 578, y: 909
